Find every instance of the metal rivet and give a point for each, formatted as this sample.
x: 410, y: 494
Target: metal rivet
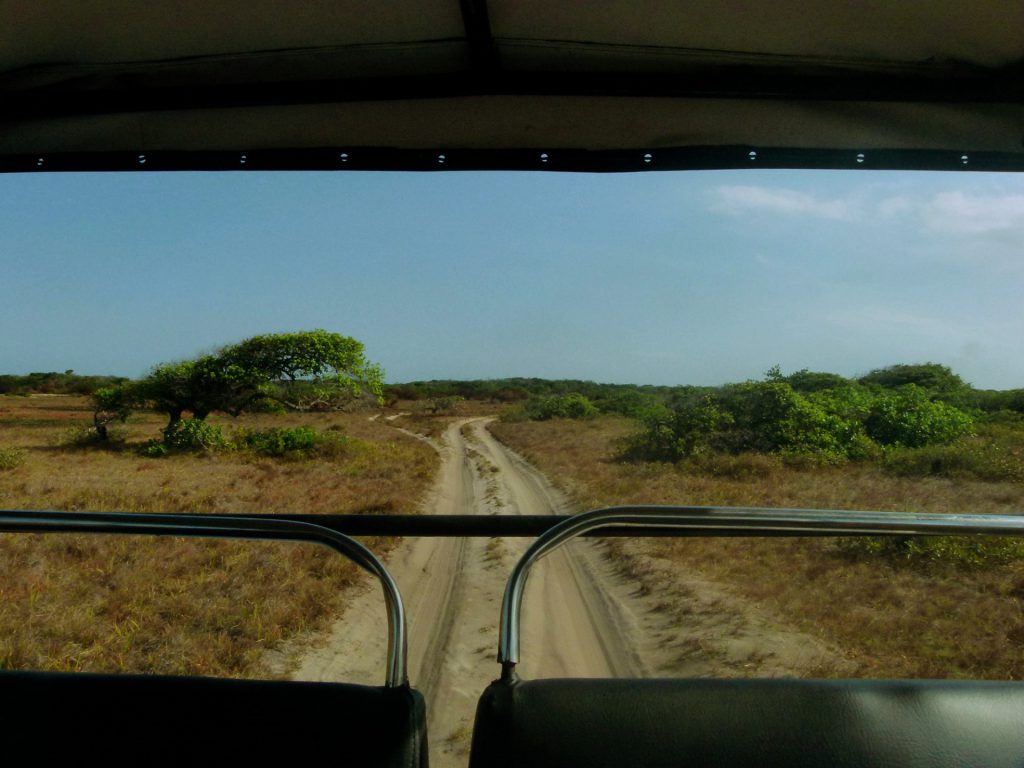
x: 142, y: 159
x: 963, y: 159
x: 648, y: 157
x: 543, y: 157
x: 860, y: 157
x: 440, y: 159
x: 242, y: 160
x: 752, y: 155
x: 39, y: 161
x: 343, y: 157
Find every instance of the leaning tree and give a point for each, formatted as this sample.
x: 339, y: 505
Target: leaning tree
x: 299, y: 371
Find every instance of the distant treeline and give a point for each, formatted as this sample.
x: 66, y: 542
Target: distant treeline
x: 939, y: 381
x: 626, y: 399
x: 54, y: 383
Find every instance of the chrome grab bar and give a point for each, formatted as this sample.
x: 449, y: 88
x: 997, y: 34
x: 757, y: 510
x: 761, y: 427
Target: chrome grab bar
x: 231, y: 527
x: 748, y: 520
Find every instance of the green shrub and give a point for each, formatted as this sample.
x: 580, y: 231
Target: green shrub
x: 571, y: 406
x: 686, y: 430
x: 908, y: 417
x: 763, y: 417
x: 833, y: 420
x: 777, y: 418
x: 11, y: 458
x: 635, y: 405
x: 291, y: 441
x: 938, y: 381
x: 154, y: 449
x: 194, y: 435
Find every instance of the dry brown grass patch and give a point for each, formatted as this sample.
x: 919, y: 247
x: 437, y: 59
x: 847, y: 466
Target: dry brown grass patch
x: 892, y: 618
x: 181, y: 606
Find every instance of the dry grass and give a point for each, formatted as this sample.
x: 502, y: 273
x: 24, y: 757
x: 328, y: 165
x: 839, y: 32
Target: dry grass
x: 176, y: 606
x: 892, y: 618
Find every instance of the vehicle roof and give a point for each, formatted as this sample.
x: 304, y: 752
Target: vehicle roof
x: 530, y: 84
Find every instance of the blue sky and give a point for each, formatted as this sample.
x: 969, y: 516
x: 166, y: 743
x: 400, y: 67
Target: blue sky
x: 663, y: 278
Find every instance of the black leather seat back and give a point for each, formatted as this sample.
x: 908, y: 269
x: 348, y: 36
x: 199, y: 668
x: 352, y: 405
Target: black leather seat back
x: 143, y: 720
x: 746, y: 723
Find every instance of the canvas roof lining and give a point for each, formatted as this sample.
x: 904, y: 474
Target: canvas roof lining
x: 505, y: 76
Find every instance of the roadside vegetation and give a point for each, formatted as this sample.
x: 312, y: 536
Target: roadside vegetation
x: 892, y: 612
x: 212, y: 435
x: 184, y: 606
x: 908, y: 438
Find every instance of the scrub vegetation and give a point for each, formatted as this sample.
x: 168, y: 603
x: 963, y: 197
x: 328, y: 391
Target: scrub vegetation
x: 909, y: 420
x: 184, y: 606
x: 907, y: 437
x: 948, y: 607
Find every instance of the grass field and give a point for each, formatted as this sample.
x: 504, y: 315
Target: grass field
x: 180, y: 606
x: 891, y: 617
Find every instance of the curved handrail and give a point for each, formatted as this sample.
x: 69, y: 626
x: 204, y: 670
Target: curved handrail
x: 232, y: 527
x: 751, y: 521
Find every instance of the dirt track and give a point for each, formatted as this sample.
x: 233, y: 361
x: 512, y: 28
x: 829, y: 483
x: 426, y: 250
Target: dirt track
x: 581, y: 616
x: 576, y: 621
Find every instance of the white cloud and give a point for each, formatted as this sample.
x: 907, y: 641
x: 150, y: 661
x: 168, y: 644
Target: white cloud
x: 956, y: 213
x: 895, y: 206
x: 737, y: 200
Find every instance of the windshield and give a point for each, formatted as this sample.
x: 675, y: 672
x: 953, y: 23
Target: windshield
x: 695, y: 278
x: 514, y: 343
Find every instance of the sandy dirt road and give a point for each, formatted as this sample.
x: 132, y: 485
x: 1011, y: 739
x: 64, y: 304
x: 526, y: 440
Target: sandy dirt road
x: 582, y: 616
x: 577, y: 618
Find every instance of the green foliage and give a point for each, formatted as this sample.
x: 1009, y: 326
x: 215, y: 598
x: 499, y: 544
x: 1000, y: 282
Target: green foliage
x: 632, y: 403
x: 55, y: 383
x: 294, y: 442
x: 805, y: 381
x: 938, y: 381
x: 520, y: 389
x: 990, y: 401
x: 909, y: 418
x: 831, y: 421
x: 308, y: 369
x: 770, y: 416
x: 11, y: 458
x: 571, y: 406
x: 109, y: 404
x: 195, y: 435
x: 688, y: 429
x: 155, y: 449
x: 765, y: 417
x: 302, y: 371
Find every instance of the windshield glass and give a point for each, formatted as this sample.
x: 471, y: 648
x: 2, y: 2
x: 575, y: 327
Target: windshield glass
x: 515, y: 343
x: 669, y: 278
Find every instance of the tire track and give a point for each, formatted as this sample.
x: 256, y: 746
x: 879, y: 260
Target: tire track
x: 577, y: 619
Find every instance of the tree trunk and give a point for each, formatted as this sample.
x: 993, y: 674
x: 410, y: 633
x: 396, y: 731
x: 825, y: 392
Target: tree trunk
x: 174, y: 418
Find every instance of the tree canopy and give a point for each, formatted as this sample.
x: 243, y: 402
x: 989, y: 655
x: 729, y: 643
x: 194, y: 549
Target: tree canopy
x: 301, y: 371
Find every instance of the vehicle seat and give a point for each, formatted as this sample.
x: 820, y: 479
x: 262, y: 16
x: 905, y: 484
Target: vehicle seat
x: 51, y: 718
x: 71, y: 718
x: 602, y: 723
x: 686, y: 723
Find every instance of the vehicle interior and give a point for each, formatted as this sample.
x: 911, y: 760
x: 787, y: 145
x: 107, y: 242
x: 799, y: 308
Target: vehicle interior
x: 519, y: 86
